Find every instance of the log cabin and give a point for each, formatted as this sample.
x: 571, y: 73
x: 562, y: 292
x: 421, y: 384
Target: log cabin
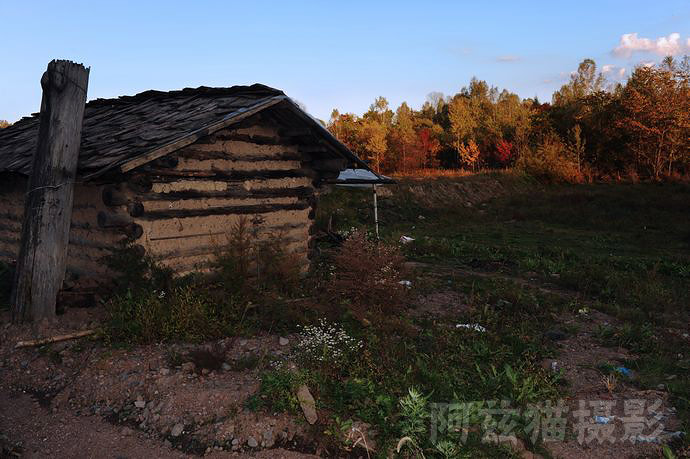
x: 172, y: 172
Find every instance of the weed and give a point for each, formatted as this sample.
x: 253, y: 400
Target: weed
x: 277, y: 391
x: 251, y: 262
x: 367, y: 279
x: 414, y: 415
x: 327, y: 346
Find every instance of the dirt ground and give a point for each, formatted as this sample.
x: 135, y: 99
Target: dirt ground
x: 83, y: 399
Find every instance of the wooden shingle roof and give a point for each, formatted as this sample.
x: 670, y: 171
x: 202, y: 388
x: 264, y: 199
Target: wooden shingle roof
x: 129, y: 131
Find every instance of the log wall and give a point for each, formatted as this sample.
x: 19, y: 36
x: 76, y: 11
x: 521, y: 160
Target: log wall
x: 88, y: 243
x: 191, y: 202
x: 183, y: 207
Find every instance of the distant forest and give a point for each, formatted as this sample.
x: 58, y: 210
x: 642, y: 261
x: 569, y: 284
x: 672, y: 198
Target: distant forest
x: 591, y: 129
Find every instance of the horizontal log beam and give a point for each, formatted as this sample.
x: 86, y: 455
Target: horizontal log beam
x: 298, y: 192
x: 171, y: 175
x: 330, y: 165
x: 239, y: 155
x: 226, y: 210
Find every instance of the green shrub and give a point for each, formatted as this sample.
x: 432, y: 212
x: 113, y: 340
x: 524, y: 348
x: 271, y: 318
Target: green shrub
x: 278, y: 391
x: 550, y: 161
x: 248, y: 264
x: 181, y: 314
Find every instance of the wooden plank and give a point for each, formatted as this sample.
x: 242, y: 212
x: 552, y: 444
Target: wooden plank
x: 238, y: 192
x: 226, y: 210
x: 48, y: 206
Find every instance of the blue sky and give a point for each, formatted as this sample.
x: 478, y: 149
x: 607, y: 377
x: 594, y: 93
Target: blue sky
x: 330, y: 54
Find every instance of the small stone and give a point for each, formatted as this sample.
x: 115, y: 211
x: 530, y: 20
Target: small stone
x: 188, y: 367
x: 307, y: 403
x: 177, y: 430
x: 549, y: 365
x: 205, y: 371
x: 243, y: 342
x: 140, y: 404
x: 268, y: 438
x: 226, y: 366
x: 252, y: 443
x: 283, y: 341
x: 235, y: 441
x: 164, y: 371
x: 661, y: 387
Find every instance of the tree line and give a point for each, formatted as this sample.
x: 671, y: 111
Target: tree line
x: 590, y: 129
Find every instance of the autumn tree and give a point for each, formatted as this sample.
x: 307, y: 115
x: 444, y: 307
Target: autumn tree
x: 469, y: 154
x: 462, y: 121
x: 402, y: 138
x: 656, y: 115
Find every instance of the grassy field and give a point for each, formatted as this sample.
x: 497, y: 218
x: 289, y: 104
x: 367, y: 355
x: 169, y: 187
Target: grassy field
x: 498, y: 250
x: 527, y: 252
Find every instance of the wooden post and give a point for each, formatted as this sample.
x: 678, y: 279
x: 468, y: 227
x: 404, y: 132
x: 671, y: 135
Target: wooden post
x: 48, y: 204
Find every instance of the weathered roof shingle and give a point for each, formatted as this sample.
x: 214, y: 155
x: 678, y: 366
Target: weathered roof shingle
x: 132, y: 128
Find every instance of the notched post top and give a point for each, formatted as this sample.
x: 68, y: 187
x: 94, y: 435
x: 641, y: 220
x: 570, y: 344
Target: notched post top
x: 59, y: 71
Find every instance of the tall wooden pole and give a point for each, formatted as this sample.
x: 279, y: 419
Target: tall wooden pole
x: 48, y: 204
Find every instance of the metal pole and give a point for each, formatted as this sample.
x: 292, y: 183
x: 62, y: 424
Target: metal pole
x: 376, y: 211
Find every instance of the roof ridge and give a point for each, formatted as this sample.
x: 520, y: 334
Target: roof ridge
x: 256, y: 89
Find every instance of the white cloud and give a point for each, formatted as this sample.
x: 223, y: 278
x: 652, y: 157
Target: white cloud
x: 663, y: 46
x: 613, y: 70
x: 508, y: 58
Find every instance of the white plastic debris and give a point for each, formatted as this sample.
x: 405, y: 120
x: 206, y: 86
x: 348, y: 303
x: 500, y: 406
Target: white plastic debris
x: 602, y: 419
x: 406, y: 239
x: 475, y: 327
x: 406, y: 283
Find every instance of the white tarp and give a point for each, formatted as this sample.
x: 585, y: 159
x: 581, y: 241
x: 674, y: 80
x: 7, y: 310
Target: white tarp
x: 358, y: 177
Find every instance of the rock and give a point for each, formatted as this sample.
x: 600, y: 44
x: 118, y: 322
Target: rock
x: 164, y: 371
x: 549, y: 365
x: 205, y: 371
x: 235, y: 441
x: 140, y: 404
x: 252, y: 443
x: 188, y: 367
x: 307, y: 403
x: 243, y: 342
x: 268, y: 438
x: 555, y: 335
x: 226, y: 367
x: 177, y: 429
x: 661, y: 387
x: 283, y: 341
